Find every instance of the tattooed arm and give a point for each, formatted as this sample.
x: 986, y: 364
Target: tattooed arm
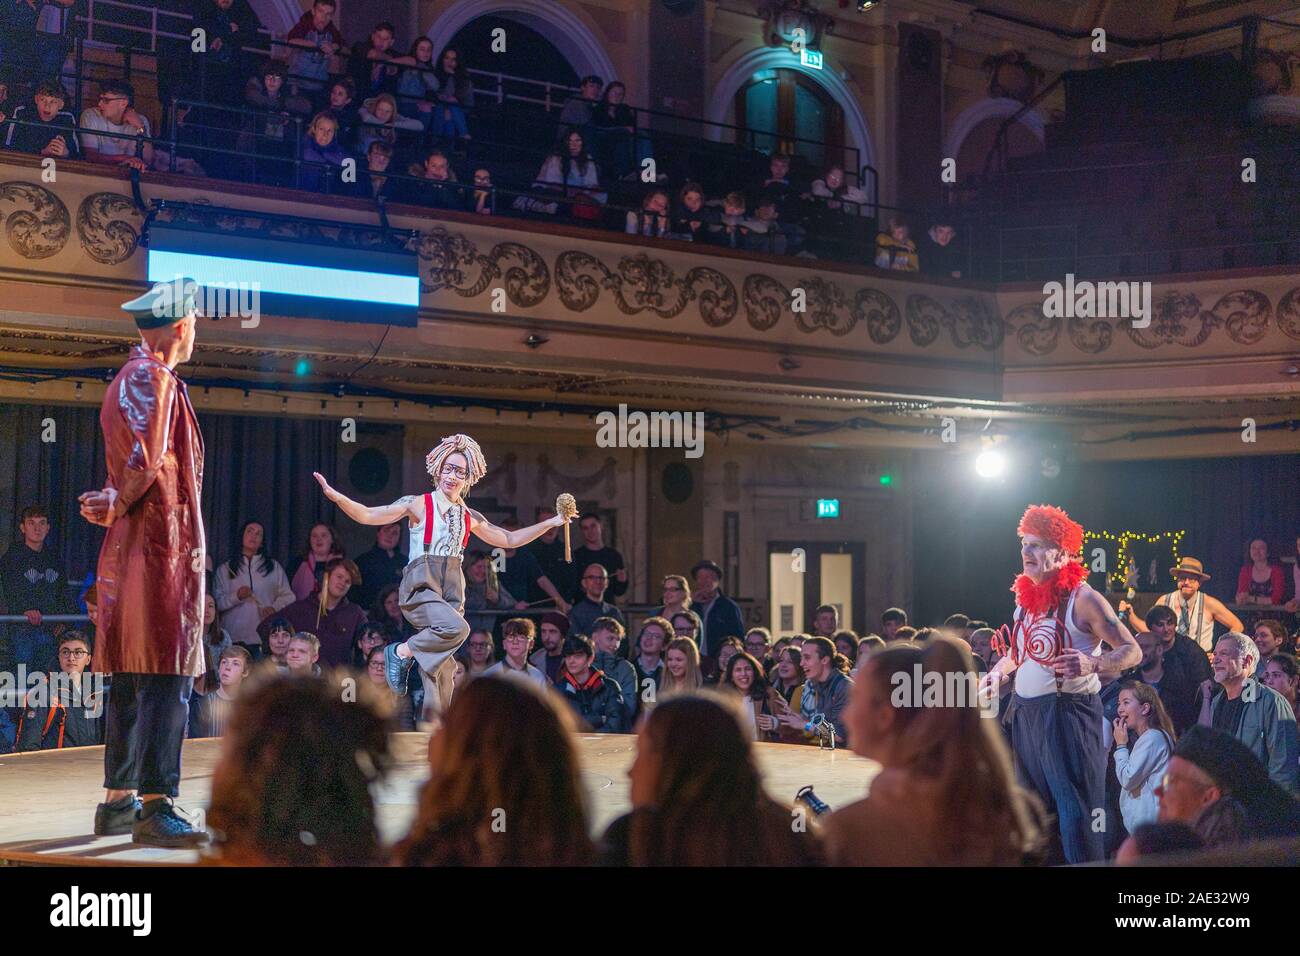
x: 1094, y: 615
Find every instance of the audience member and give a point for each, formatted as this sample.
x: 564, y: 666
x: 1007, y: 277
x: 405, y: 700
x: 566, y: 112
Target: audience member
x: 594, y: 550
x: 578, y: 110
x: 758, y: 644
x: 592, y: 603
x: 455, y: 96
x: 1251, y: 712
x: 1260, y: 580
x: 895, y: 248
x: 67, y: 708
x: 45, y: 127
x: 294, y: 786
x: 517, y: 642
x: 549, y: 552
x: 482, y: 199
x: 846, y: 644
x: 787, y: 676
x: 34, y: 584
x: 651, y: 641
x: 403, y: 705
x: 1195, y: 611
x: 732, y: 228
x: 339, y: 100
x: 523, y: 574
x: 890, y: 621
x: 435, y: 183
x: 372, y: 65
x: 1281, y: 674
x: 113, y: 132
x: 417, y: 84
x: 687, y: 624
x: 1270, y: 637
x: 652, y: 219
x: 303, y: 653
x: 479, y: 653
x: 381, y: 566
x: 380, y: 122
x: 692, y: 220
x: 221, y: 63
x: 594, y: 696
x: 329, y: 614
x: 570, y: 174
x: 607, y: 635
x: 505, y: 785
x: 484, y: 593
x: 825, y: 690
x: 323, y: 546
x: 271, y: 124
x: 1215, y: 785
x: 250, y: 587
x: 676, y: 596
x: 613, y: 125
x: 714, y: 670
x: 215, y: 640
x: 720, y: 615
x: 1141, y: 766
x: 681, y: 668
x: 210, y: 713
x: 825, y: 621
x: 946, y: 794
x: 316, y: 39
x: 762, y: 704
x: 939, y: 254
x: 368, y: 636
x: 275, y: 648
x: 388, y: 611
x: 1178, y: 691
x: 698, y: 798
x: 839, y: 194
x: 549, y: 658
x: 322, y: 156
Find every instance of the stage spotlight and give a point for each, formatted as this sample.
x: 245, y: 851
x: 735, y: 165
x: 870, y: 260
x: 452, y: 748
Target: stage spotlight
x: 990, y: 463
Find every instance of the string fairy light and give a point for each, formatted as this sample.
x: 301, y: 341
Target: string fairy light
x: 1123, y: 542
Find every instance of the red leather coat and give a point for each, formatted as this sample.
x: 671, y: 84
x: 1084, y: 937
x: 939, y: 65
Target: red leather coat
x: 152, y: 564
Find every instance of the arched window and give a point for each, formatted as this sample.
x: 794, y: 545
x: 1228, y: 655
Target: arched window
x: 805, y: 119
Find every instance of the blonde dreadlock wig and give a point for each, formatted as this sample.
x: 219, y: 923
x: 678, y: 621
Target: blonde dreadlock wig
x: 467, y: 446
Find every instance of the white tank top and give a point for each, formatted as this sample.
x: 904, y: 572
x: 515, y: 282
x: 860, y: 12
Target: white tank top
x: 1034, y: 679
x: 1199, y: 625
x: 450, y: 529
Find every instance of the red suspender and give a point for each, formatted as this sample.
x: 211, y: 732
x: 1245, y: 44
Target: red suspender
x: 465, y: 543
x: 428, y: 520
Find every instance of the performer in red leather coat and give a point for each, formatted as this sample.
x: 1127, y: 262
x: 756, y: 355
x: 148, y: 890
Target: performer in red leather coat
x: 150, y: 572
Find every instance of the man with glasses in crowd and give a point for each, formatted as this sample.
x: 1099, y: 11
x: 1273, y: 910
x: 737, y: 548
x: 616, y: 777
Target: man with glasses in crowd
x: 592, y: 604
x: 122, y: 129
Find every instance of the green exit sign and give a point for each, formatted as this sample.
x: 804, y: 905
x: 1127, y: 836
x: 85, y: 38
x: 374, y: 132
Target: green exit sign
x: 828, y: 507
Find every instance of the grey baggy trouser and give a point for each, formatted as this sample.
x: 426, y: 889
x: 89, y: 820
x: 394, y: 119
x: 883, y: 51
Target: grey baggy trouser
x: 431, y: 596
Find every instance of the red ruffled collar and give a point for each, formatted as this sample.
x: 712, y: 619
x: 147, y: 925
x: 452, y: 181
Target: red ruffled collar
x: 1041, y: 598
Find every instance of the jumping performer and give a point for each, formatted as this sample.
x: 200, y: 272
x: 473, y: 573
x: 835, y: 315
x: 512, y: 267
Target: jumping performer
x: 150, y: 572
x: 432, y: 590
x: 1055, y: 650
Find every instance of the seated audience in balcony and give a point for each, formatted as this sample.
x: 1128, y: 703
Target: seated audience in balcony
x: 340, y: 100
x: 766, y: 232
x: 111, y: 130
x: 483, y: 199
x: 838, y: 193
x: 578, y: 109
x: 295, y: 783
x: 505, y: 785
x: 940, y: 254
x: 614, y: 128
x: 417, y: 84
x: 698, y: 797
x: 692, y: 219
x: 437, y: 185
x: 45, y: 127
x: 572, y: 174
x: 1215, y: 785
x: 220, y: 65
x: 652, y: 220
x: 372, y: 65
x: 316, y: 39
x: 455, y: 96
x: 732, y: 227
x: 380, y: 122
x: 321, y: 149
x: 1260, y: 580
x: 895, y: 248
x: 373, y: 182
x: 1282, y: 675
x: 776, y: 183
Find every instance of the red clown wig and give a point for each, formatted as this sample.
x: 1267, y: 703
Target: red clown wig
x: 1052, y: 524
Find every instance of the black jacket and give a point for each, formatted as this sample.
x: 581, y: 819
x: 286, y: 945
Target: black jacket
x: 599, y: 701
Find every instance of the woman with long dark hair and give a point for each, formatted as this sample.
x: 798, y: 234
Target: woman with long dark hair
x: 455, y: 96
x: 569, y: 173
x: 417, y: 85
x: 762, y: 705
x: 946, y: 795
x: 293, y: 785
x: 505, y: 752
x: 698, y: 798
x: 323, y: 546
x: 250, y: 587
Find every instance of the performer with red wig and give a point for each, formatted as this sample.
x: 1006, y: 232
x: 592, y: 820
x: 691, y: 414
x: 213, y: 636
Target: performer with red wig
x: 1056, y: 652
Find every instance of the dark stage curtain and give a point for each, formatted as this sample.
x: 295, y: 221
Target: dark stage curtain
x: 966, y: 553
x: 253, y: 468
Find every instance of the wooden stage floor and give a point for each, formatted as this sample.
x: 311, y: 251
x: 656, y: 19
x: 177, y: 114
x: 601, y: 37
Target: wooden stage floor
x: 47, y: 799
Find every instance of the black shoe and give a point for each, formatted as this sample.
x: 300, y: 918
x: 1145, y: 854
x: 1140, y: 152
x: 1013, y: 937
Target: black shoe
x: 161, y: 825
x: 396, y: 669
x: 117, y: 818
